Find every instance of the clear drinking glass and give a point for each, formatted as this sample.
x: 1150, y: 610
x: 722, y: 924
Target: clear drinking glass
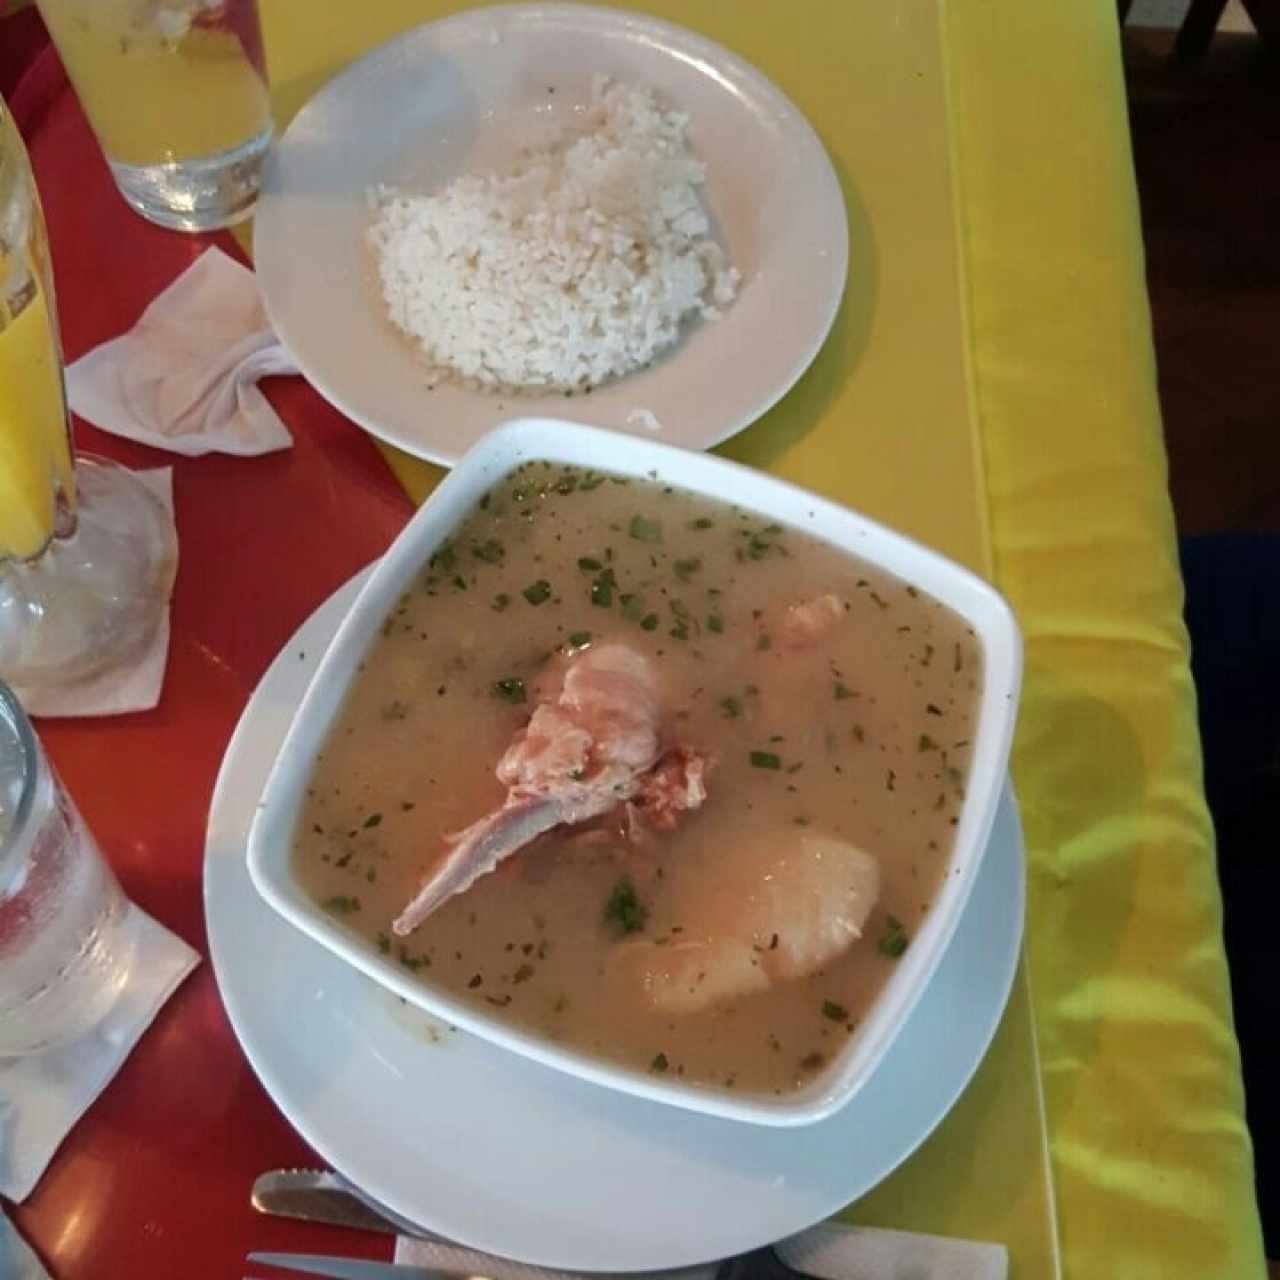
x: 87, y: 554
x: 67, y: 933
x: 176, y: 91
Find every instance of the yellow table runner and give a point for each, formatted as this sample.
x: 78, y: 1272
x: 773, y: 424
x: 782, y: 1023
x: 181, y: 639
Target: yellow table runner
x: 1141, y: 1070
x: 1060, y: 491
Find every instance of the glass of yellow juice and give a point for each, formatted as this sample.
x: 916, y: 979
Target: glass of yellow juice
x: 176, y: 91
x: 87, y: 553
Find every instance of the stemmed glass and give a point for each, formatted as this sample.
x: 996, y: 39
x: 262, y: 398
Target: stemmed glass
x: 87, y: 553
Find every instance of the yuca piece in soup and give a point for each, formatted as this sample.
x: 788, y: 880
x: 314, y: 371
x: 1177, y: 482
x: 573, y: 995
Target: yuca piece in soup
x: 650, y: 776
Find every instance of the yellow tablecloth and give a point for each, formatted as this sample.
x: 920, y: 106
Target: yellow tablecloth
x: 1062, y: 497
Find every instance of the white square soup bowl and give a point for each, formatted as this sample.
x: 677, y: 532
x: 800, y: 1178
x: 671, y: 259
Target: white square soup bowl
x: 496, y: 455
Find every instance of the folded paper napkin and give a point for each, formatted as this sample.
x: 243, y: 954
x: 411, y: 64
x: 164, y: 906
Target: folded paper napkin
x: 17, y: 1262
x: 133, y: 686
x: 42, y: 1095
x: 185, y: 376
x: 829, y: 1251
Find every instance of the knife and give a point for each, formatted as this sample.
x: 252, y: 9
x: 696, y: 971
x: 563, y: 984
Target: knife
x: 829, y: 1251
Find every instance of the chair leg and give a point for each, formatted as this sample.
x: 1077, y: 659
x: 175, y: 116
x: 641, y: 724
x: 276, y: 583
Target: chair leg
x: 1196, y: 32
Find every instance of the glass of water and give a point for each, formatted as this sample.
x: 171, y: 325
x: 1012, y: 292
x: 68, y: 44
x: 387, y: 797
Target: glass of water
x: 176, y: 91
x: 67, y: 932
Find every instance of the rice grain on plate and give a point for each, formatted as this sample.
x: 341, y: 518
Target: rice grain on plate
x: 578, y: 265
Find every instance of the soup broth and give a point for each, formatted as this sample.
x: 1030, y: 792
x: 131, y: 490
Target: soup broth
x: 830, y: 705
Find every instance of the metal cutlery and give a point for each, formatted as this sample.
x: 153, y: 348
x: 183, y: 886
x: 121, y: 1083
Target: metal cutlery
x: 763, y: 1264
x: 829, y: 1251
x: 316, y: 1195
x: 314, y: 1264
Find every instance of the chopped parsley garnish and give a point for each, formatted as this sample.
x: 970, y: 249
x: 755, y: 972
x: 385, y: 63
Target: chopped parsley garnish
x: 632, y: 607
x: 645, y: 530
x: 659, y: 1063
x: 373, y: 820
x: 579, y: 639
x: 341, y: 904
x: 589, y: 564
x: 490, y: 551
x: 384, y: 943
x: 537, y: 592
x: 624, y: 908
x: 701, y: 523
x: 763, y: 641
x: 649, y: 622
x: 715, y: 623
x: 500, y: 601
x: 602, y: 588
x: 731, y: 706
x: 509, y: 690
x: 841, y: 691
x: 895, y: 940
x: 443, y: 559
x: 685, y: 569
x: 836, y: 1012
x: 765, y: 760
x: 926, y: 743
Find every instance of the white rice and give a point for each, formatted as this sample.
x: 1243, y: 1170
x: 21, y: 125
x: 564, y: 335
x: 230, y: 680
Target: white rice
x: 578, y: 265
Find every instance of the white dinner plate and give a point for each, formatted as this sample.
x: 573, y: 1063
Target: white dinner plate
x: 463, y: 95
x: 497, y: 1152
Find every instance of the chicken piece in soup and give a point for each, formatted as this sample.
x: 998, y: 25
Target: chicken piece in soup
x: 649, y: 776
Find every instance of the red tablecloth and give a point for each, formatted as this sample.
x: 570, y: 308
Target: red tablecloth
x: 154, y: 1180
x: 22, y: 38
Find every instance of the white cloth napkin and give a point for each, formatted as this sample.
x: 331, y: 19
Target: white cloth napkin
x: 42, y: 1095
x: 829, y: 1251
x: 185, y: 377
x: 136, y: 685
x: 17, y: 1262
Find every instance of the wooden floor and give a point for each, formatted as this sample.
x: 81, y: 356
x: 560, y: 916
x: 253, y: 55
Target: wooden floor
x: 1206, y: 145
